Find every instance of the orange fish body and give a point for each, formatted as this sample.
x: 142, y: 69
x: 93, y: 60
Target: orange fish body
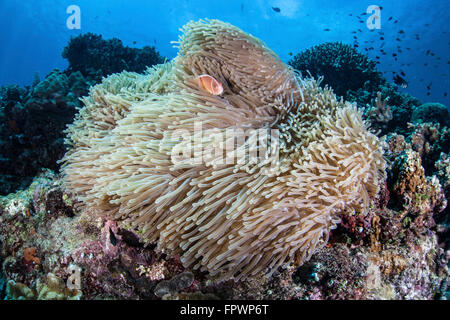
x: 209, y: 84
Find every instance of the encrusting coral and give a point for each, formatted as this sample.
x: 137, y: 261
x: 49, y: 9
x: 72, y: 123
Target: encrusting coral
x: 53, y: 289
x: 233, y: 219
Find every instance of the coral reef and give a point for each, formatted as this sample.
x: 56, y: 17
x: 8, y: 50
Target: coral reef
x: 353, y: 76
x: 42, y: 243
x: 428, y: 139
x: 413, y: 192
x: 431, y: 112
x: 427, y: 145
x: 393, y: 243
x: 32, y: 124
x: 53, y: 289
x: 32, y: 119
x: 95, y: 57
x: 395, y: 257
x: 381, y: 113
x: 213, y: 213
x: 342, y: 67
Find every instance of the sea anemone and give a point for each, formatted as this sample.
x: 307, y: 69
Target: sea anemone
x: 231, y: 218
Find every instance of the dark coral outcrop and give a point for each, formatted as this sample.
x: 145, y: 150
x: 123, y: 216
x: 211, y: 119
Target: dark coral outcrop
x: 32, y: 120
x: 95, y: 57
x: 354, y: 76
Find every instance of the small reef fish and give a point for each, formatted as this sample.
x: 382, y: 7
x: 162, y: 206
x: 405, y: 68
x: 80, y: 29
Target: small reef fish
x: 209, y: 84
x: 400, y: 81
x: 276, y: 9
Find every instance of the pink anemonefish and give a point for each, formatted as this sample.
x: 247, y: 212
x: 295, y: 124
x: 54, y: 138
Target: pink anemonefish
x: 209, y: 84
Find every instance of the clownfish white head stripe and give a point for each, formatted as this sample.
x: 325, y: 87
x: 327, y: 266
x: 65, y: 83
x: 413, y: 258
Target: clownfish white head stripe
x: 209, y: 84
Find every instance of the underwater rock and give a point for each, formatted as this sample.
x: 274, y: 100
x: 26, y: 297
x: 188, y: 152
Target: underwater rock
x: 429, y: 140
x: 174, y: 285
x: 39, y: 234
x: 443, y: 170
x: 32, y: 119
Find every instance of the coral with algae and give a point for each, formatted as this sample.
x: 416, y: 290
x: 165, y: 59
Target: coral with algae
x: 231, y: 219
x: 53, y: 288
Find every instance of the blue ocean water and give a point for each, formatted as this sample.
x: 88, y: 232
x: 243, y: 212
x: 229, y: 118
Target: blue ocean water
x: 34, y: 32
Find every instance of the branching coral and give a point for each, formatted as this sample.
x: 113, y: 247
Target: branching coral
x: 382, y: 112
x: 232, y: 219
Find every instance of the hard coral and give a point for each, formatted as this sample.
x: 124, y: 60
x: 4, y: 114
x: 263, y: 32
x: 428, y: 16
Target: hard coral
x: 419, y: 194
x: 32, y: 124
x: 431, y: 112
x: 95, y: 57
x: 231, y: 219
x: 53, y: 288
x: 353, y: 76
x: 342, y: 67
x: 382, y: 113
